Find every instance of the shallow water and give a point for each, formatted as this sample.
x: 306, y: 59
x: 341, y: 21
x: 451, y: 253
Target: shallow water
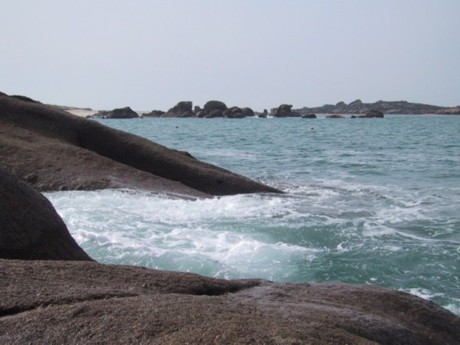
x: 367, y: 201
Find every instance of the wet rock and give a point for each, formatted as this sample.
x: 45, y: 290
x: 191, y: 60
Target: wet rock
x: 264, y: 114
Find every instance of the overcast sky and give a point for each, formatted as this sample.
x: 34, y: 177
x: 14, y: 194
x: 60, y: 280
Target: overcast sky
x: 150, y: 54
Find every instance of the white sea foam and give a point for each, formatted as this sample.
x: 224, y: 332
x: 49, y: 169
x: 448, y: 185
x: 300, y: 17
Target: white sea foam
x: 454, y: 306
x: 424, y: 293
x: 216, y: 236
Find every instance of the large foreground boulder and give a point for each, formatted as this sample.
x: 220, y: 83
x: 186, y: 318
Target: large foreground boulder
x: 30, y: 228
x: 54, y: 150
x: 86, y: 302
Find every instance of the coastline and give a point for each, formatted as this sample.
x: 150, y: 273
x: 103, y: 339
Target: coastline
x: 217, y: 109
x: 88, y: 301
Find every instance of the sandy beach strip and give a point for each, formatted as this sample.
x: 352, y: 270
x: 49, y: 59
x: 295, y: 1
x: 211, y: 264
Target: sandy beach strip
x: 86, y: 112
x: 81, y: 112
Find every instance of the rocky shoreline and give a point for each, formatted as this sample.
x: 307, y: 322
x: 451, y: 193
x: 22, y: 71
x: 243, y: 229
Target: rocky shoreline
x: 54, y: 293
x: 218, y: 109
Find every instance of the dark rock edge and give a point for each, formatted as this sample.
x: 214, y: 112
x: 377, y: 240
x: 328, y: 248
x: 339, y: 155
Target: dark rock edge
x: 53, y: 150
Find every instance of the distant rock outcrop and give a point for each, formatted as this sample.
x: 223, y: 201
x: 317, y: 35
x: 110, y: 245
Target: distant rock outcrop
x: 214, y: 105
x: 358, y: 107
x: 284, y: 110
x: 372, y: 114
x: 213, y: 113
x: 30, y: 228
x: 247, y: 111
x: 450, y: 111
x: 119, y: 113
x: 154, y: 113
x: 237, y: 112
x: 181, y: 109
x: 233, y: 113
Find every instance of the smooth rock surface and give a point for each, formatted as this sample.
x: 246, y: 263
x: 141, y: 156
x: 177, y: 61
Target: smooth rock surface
x: 30, y: 228
x: 54, y: 150
x: 86, y: 302
x: 214, y: 105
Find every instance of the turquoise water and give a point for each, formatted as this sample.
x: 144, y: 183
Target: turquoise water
x: 367, y: 201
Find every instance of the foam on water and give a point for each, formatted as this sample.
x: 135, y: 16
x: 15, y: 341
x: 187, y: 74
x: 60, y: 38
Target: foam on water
x: 218, y: 237
x: 326, y: 231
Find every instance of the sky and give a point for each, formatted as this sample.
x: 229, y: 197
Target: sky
x: 151, y: 54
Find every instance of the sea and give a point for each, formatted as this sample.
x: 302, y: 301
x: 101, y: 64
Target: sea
x: 367, y: 201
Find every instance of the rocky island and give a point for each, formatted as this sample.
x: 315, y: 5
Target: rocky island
x: 385, y: 107
x: 218, y: 109
x: 54, y: 293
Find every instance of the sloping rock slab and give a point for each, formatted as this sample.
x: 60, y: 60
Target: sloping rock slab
x: 30, y: 228
x: 54, y: 150
x: 62, y: 302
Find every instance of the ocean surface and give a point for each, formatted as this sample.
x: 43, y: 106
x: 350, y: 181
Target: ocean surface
x: 368, y: 201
